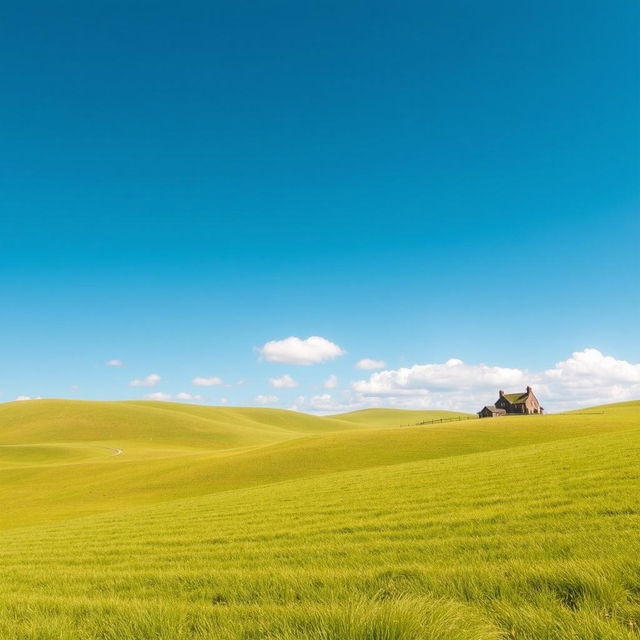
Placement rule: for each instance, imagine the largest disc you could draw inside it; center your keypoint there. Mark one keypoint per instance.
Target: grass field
(125, 521)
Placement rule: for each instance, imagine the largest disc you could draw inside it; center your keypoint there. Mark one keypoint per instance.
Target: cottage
(512, 403)
(491, 411)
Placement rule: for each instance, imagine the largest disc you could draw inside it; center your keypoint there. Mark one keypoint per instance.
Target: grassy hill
(395, 417)
(255, 523)
(157, 422)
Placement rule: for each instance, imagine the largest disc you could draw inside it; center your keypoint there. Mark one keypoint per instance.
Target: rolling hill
(156, 520)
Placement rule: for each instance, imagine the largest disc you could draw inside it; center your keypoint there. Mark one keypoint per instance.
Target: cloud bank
(587, 377)
(590, 377)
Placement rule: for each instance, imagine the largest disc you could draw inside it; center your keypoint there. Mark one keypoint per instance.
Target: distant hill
(58, 457)
(160, 422)
(393, 417)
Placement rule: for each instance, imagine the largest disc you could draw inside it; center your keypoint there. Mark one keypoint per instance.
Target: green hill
(153, 520)
(395, 417)
(158, 422)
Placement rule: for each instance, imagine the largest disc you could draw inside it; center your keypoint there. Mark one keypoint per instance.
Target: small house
(512, 403)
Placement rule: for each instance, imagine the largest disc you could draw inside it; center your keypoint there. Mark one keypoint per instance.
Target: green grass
(17, 455)
(324, 528)
(157, 422)
(393, 417)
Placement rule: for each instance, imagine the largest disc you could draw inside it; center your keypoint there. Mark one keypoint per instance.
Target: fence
(440, 420)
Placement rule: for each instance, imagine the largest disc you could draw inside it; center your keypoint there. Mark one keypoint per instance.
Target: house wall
(487, 413)
(532, 404)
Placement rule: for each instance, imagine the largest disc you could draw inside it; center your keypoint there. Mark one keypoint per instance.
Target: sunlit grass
(507, 528)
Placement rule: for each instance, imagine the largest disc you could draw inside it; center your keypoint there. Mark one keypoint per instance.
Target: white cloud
(592, 367)
(114, 363)
(328, 403)
(588, 377)
(369, 364)
(150, 381)
(158, 395)
(265, 399)
(183, 396)
(294, 350)
(224, 400)
(207, 382)
(283, 382)
(331, 382)
(298, 404)
(189, 397)
(322, 402)
(451, 376)
(24, 398)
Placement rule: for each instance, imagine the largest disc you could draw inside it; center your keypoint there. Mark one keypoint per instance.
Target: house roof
(493, 409)
(516, 398)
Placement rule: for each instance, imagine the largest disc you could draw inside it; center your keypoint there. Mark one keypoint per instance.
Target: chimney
(501, 392)
(528, 389)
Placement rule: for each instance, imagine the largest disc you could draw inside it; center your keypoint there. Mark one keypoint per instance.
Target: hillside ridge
(55, 461)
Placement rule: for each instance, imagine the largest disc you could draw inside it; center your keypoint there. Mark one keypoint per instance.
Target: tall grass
(535, 539)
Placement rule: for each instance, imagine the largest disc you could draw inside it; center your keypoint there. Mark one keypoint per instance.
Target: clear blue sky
(414, 181)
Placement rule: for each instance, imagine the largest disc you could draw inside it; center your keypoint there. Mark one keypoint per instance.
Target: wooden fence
(440, 420)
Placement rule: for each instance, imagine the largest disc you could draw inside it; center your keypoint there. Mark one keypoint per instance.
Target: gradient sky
(415, 182)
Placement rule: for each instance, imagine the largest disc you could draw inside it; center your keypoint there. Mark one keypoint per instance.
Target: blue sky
(413, 182)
